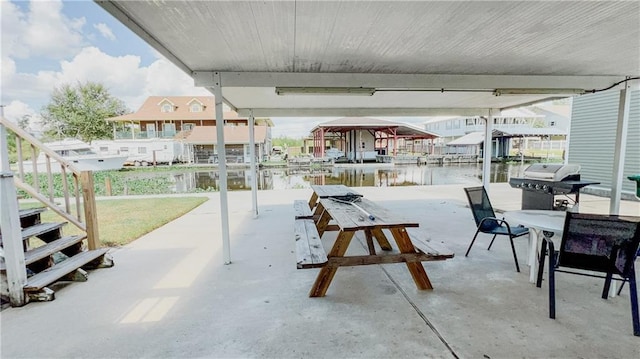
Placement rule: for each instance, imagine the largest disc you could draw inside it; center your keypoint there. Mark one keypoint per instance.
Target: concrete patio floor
(170, 295)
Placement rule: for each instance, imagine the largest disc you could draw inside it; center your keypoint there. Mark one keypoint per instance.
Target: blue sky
(46, 44)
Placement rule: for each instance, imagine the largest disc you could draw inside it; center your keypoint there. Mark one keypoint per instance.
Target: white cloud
(122, 75)
(41, 31)
(16, 110)
(105, 31)
(13, 25)
(25, 87)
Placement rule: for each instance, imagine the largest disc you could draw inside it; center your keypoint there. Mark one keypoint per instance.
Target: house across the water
(169, 129)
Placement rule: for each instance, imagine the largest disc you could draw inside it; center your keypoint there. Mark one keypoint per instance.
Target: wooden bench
(435, 250)
(302, 209)
(309, 250)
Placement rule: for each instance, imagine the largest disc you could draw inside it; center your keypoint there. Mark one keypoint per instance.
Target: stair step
(31, 211)
(40, 228)
(43, 279)
(48, 249)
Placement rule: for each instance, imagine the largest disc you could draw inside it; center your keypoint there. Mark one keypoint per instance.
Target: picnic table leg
(370, 246)
(415, 268)
(323, 221)
(327, 272)
(318, 211)
(313, 200)
(381, 238)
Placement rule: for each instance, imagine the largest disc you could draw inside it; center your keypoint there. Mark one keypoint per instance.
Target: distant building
(184, 125)
(165, 116)
(202, 142)
(533, 128)
(594, 121)
(364, 138)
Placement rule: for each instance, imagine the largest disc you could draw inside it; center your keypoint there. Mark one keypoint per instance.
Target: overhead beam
(404, 81)
(358, 112)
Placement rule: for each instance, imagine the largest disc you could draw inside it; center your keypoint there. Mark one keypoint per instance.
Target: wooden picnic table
(326, 191)
(348, 219)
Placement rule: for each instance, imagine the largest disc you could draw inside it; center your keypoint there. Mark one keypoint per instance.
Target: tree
(24, 121)
(80, 111)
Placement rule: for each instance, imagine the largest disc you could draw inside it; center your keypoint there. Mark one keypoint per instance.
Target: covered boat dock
(364, 138)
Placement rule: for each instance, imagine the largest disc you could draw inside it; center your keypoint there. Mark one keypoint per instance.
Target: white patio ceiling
(421, 58)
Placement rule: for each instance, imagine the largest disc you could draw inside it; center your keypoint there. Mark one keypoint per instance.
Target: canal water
(195, 180)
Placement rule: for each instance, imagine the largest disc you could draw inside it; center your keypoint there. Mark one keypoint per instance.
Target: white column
(254, 167)
(620, 150)
(486, 152)
(222, 168)
(361, 149)
(10, 223)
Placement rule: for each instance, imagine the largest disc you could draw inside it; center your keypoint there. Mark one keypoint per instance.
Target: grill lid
(552, 172)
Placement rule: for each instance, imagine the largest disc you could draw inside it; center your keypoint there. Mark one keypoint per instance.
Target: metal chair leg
(633, 295)
(515, 256)
(552, 282)
(607, 285)
(473, 240)
(541, 262)
(493, 239)
(621, 286)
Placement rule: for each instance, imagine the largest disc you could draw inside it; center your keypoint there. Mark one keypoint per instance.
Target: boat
(334, 153)
(77, 153)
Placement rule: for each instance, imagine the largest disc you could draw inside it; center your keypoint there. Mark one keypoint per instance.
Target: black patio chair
(597, 243)
(488, 223)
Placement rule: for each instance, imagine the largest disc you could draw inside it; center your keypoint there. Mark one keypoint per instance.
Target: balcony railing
(128, 135)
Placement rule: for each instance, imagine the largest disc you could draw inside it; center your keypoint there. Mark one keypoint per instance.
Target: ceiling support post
(322, 144)
(254, 166)
(486, 152)
(395, 142)
(620, 149)
(222, 168)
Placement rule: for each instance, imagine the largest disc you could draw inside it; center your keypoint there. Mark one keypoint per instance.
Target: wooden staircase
(35, 255)
(51, 257)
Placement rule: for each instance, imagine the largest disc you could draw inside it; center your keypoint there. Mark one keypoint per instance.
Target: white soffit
(421, 45)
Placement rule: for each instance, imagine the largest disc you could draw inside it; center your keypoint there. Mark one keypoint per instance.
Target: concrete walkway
(170, 296)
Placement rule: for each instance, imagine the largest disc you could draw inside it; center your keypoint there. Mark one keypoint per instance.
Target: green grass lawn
(122, 221)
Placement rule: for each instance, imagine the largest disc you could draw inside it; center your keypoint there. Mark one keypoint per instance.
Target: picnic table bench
(348, 219)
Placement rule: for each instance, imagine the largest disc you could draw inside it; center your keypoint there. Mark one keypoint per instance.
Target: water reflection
(355, 176)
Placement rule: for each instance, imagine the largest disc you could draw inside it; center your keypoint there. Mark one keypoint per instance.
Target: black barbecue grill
(541, 183)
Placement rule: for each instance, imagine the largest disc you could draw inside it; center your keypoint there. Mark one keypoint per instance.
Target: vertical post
(486, 152)
(620, 149)
(107, 185)
(254, 167)
(10, 222)
(361, 149)
(222, 168)
(90, 212)
(395, 142)
(322, 142)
